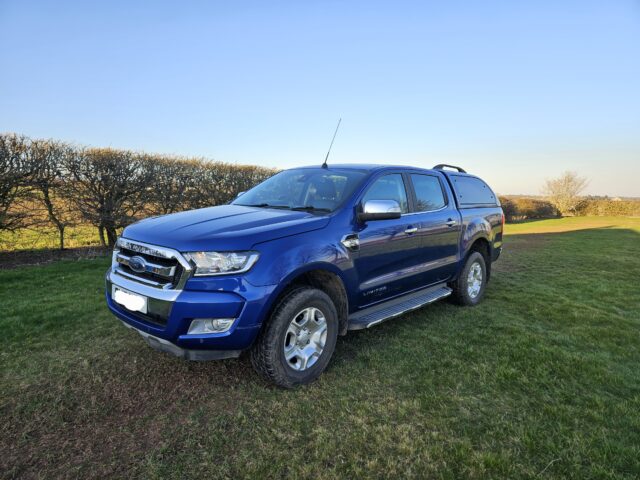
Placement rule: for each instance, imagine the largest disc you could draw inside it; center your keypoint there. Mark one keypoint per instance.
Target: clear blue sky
(514, 91)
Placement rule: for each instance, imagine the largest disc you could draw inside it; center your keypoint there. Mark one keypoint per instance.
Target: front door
(389, 249)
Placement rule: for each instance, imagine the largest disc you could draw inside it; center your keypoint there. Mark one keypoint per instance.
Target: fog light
(210, 325)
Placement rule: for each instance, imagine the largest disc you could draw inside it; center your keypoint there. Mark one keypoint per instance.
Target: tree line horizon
(47, 183)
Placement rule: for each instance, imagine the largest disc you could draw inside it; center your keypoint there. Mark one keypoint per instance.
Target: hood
(226, 227)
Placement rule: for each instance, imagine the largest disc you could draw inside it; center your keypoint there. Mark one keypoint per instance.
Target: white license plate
(129, 300)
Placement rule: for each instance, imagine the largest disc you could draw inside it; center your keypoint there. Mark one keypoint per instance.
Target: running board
(392, 308)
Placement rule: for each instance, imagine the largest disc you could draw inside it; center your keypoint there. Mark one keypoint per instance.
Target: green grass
(41, 238)
(541, 380)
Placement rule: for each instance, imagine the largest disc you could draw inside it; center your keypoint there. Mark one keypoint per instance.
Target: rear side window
(429, 194)
(388, 187)
(472, 191)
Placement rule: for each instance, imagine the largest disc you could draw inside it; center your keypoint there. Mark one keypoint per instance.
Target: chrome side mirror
(379, 210)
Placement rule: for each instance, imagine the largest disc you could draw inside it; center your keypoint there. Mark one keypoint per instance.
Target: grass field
(31, 239)
(540, 380)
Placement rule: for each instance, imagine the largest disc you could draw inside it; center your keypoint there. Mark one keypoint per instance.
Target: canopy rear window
(471, 191)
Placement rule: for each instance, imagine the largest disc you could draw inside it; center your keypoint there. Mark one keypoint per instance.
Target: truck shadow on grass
(114, 406)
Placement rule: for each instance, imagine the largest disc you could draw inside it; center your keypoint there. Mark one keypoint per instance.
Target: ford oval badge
(138, 264)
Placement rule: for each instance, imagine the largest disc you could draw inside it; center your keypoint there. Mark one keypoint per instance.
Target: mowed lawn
(540, 380)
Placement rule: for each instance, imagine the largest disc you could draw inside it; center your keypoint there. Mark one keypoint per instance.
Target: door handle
(450, 222)
(411, 230)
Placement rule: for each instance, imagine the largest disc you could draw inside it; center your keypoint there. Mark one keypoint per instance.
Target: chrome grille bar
(149, 267)
(176, 274)
(146, 281)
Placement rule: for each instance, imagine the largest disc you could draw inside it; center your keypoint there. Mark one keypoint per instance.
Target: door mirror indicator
(379, 210)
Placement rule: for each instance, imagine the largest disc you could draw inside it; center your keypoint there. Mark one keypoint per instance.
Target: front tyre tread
(267, 355)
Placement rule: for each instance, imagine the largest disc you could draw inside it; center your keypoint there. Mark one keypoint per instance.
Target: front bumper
(168, 347)
(170, 313)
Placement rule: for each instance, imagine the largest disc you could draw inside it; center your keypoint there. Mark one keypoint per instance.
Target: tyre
(469, 287)
(299, 339)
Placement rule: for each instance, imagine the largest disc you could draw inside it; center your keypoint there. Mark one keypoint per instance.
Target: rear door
(389, 249)
(439, 226)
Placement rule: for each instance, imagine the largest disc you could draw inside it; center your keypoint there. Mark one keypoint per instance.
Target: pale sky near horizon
(515, 92)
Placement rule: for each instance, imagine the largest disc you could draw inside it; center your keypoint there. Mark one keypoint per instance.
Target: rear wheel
(296, 345)
(469, 287)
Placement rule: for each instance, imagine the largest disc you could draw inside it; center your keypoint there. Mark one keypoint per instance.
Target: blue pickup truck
(305, 256)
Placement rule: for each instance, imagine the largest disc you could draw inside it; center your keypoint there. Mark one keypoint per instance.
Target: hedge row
(608, 207)
(46, 183)
(517, 208)
(522, 208)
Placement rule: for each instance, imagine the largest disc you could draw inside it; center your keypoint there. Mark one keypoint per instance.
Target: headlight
(221, 263)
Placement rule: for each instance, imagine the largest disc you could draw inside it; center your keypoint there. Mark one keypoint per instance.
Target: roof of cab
(366, 167)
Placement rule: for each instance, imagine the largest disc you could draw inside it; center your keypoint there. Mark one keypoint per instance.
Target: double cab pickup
(309, 254)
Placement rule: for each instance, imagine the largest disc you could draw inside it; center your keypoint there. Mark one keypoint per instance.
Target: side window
(388, 187)
(429, 194)
(472, 191)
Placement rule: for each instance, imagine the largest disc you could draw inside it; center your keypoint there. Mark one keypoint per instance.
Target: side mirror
(379, 210)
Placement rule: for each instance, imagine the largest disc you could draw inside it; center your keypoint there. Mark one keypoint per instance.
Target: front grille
(171, 264)
(155, 266)
(167, 262)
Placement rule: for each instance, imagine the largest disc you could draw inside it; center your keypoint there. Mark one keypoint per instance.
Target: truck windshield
(310, 189)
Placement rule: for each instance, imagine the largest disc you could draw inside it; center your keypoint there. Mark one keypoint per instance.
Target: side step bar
(379, 313)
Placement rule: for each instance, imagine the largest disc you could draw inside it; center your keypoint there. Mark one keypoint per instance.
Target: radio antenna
(324, 165)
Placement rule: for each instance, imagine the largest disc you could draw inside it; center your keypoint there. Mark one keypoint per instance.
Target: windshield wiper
(311, 208)
(306, 208)
(263, 205)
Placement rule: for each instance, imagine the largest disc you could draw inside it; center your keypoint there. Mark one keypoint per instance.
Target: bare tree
(48, 182)
(244, 177)
(564, 191)
(220, 182)
(50, 185)
(205, 189)
(109, 188)
(173, 179)
(15, 172)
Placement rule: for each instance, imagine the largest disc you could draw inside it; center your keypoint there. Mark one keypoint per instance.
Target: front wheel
(469, 287)
(299, 339)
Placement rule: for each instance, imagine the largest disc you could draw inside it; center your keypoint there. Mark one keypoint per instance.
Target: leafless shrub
(45, 182)
(173, 178)
(50, 186)
(16, 169)
(218, 183)
(108, 187)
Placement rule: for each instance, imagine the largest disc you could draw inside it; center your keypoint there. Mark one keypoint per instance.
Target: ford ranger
(307, 255)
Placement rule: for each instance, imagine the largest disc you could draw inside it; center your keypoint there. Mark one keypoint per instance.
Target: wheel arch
(482, 246)
(324, 277)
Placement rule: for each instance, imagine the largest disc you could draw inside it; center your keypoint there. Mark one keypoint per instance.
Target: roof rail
(441, 166)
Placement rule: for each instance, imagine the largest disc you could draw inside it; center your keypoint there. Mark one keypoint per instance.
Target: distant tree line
(46, 183)
(523, 208)
(562, 198)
